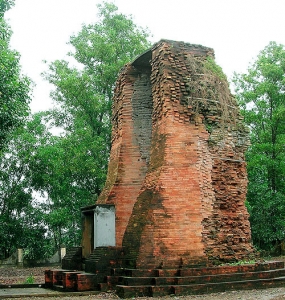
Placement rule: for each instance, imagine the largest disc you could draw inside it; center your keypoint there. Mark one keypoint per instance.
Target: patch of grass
(30, 279)
(211, 65)
(240, 263)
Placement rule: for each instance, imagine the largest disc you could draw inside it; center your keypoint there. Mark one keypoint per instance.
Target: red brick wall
(128, 158)
(177, 173)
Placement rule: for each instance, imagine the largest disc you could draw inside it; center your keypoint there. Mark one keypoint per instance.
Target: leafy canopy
(15, 196)
(5, 5)
(74, 167)
(261, 94)
(14, 87)
(21, 218)
(67, 170)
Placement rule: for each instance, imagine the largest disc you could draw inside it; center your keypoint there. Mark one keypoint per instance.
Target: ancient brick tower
(177, 176)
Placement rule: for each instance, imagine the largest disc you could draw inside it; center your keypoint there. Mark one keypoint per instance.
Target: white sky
(237, 29)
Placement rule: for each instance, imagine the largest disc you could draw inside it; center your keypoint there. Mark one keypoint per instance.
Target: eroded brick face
(177, 174)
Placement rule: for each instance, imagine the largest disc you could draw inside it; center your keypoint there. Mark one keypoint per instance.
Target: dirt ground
(19, 276)
(13, 275)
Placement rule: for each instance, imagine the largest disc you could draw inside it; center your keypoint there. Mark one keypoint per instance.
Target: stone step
(104, 287)
(87, 282)
(266, 266)
(117, 271)
(166, 280)
(124, 280)
(102, 258)
(58, 288)
(140, 272)
(219, 277)
(167, 272)
(71, 280)
(158, 282)
(73, 259)
(113, 280)
(186, 272)
(73, 251)
(54, 277)
(124, 291)
(226, 286)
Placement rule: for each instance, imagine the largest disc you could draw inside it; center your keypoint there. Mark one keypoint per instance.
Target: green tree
(56, 177)
(261, 94)
(67, 170)
(5, 5)
(84, 94)
(75, 167)
(21, 217)
(14, 108)
(14, 87)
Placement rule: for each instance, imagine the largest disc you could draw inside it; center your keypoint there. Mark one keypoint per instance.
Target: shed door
(104, 226)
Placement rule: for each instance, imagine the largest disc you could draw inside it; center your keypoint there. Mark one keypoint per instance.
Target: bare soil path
(268, 294)
(13, 275)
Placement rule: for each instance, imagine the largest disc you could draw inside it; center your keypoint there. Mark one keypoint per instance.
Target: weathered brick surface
(183, 281)
(177, 173)
(86, 282)
(131, 138)
(69, 280)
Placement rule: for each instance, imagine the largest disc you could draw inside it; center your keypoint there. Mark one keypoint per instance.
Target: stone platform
(162, 282)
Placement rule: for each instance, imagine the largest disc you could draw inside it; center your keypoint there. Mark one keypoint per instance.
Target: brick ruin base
(177, 174)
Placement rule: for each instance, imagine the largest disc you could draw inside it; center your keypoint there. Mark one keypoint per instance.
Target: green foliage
(30, 279)
(74, 165)
(5, 5)
(240, 263)
(14, 88)
(212, 66)
(68, 170)
(261, 95)
(15, 196)
(20, 216)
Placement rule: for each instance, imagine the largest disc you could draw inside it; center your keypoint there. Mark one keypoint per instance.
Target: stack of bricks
(177, 174)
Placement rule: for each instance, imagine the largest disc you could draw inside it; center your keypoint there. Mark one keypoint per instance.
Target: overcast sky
(237, 29)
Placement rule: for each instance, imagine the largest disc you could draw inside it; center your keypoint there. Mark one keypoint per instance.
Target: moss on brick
(141, 217)
(157, 151)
